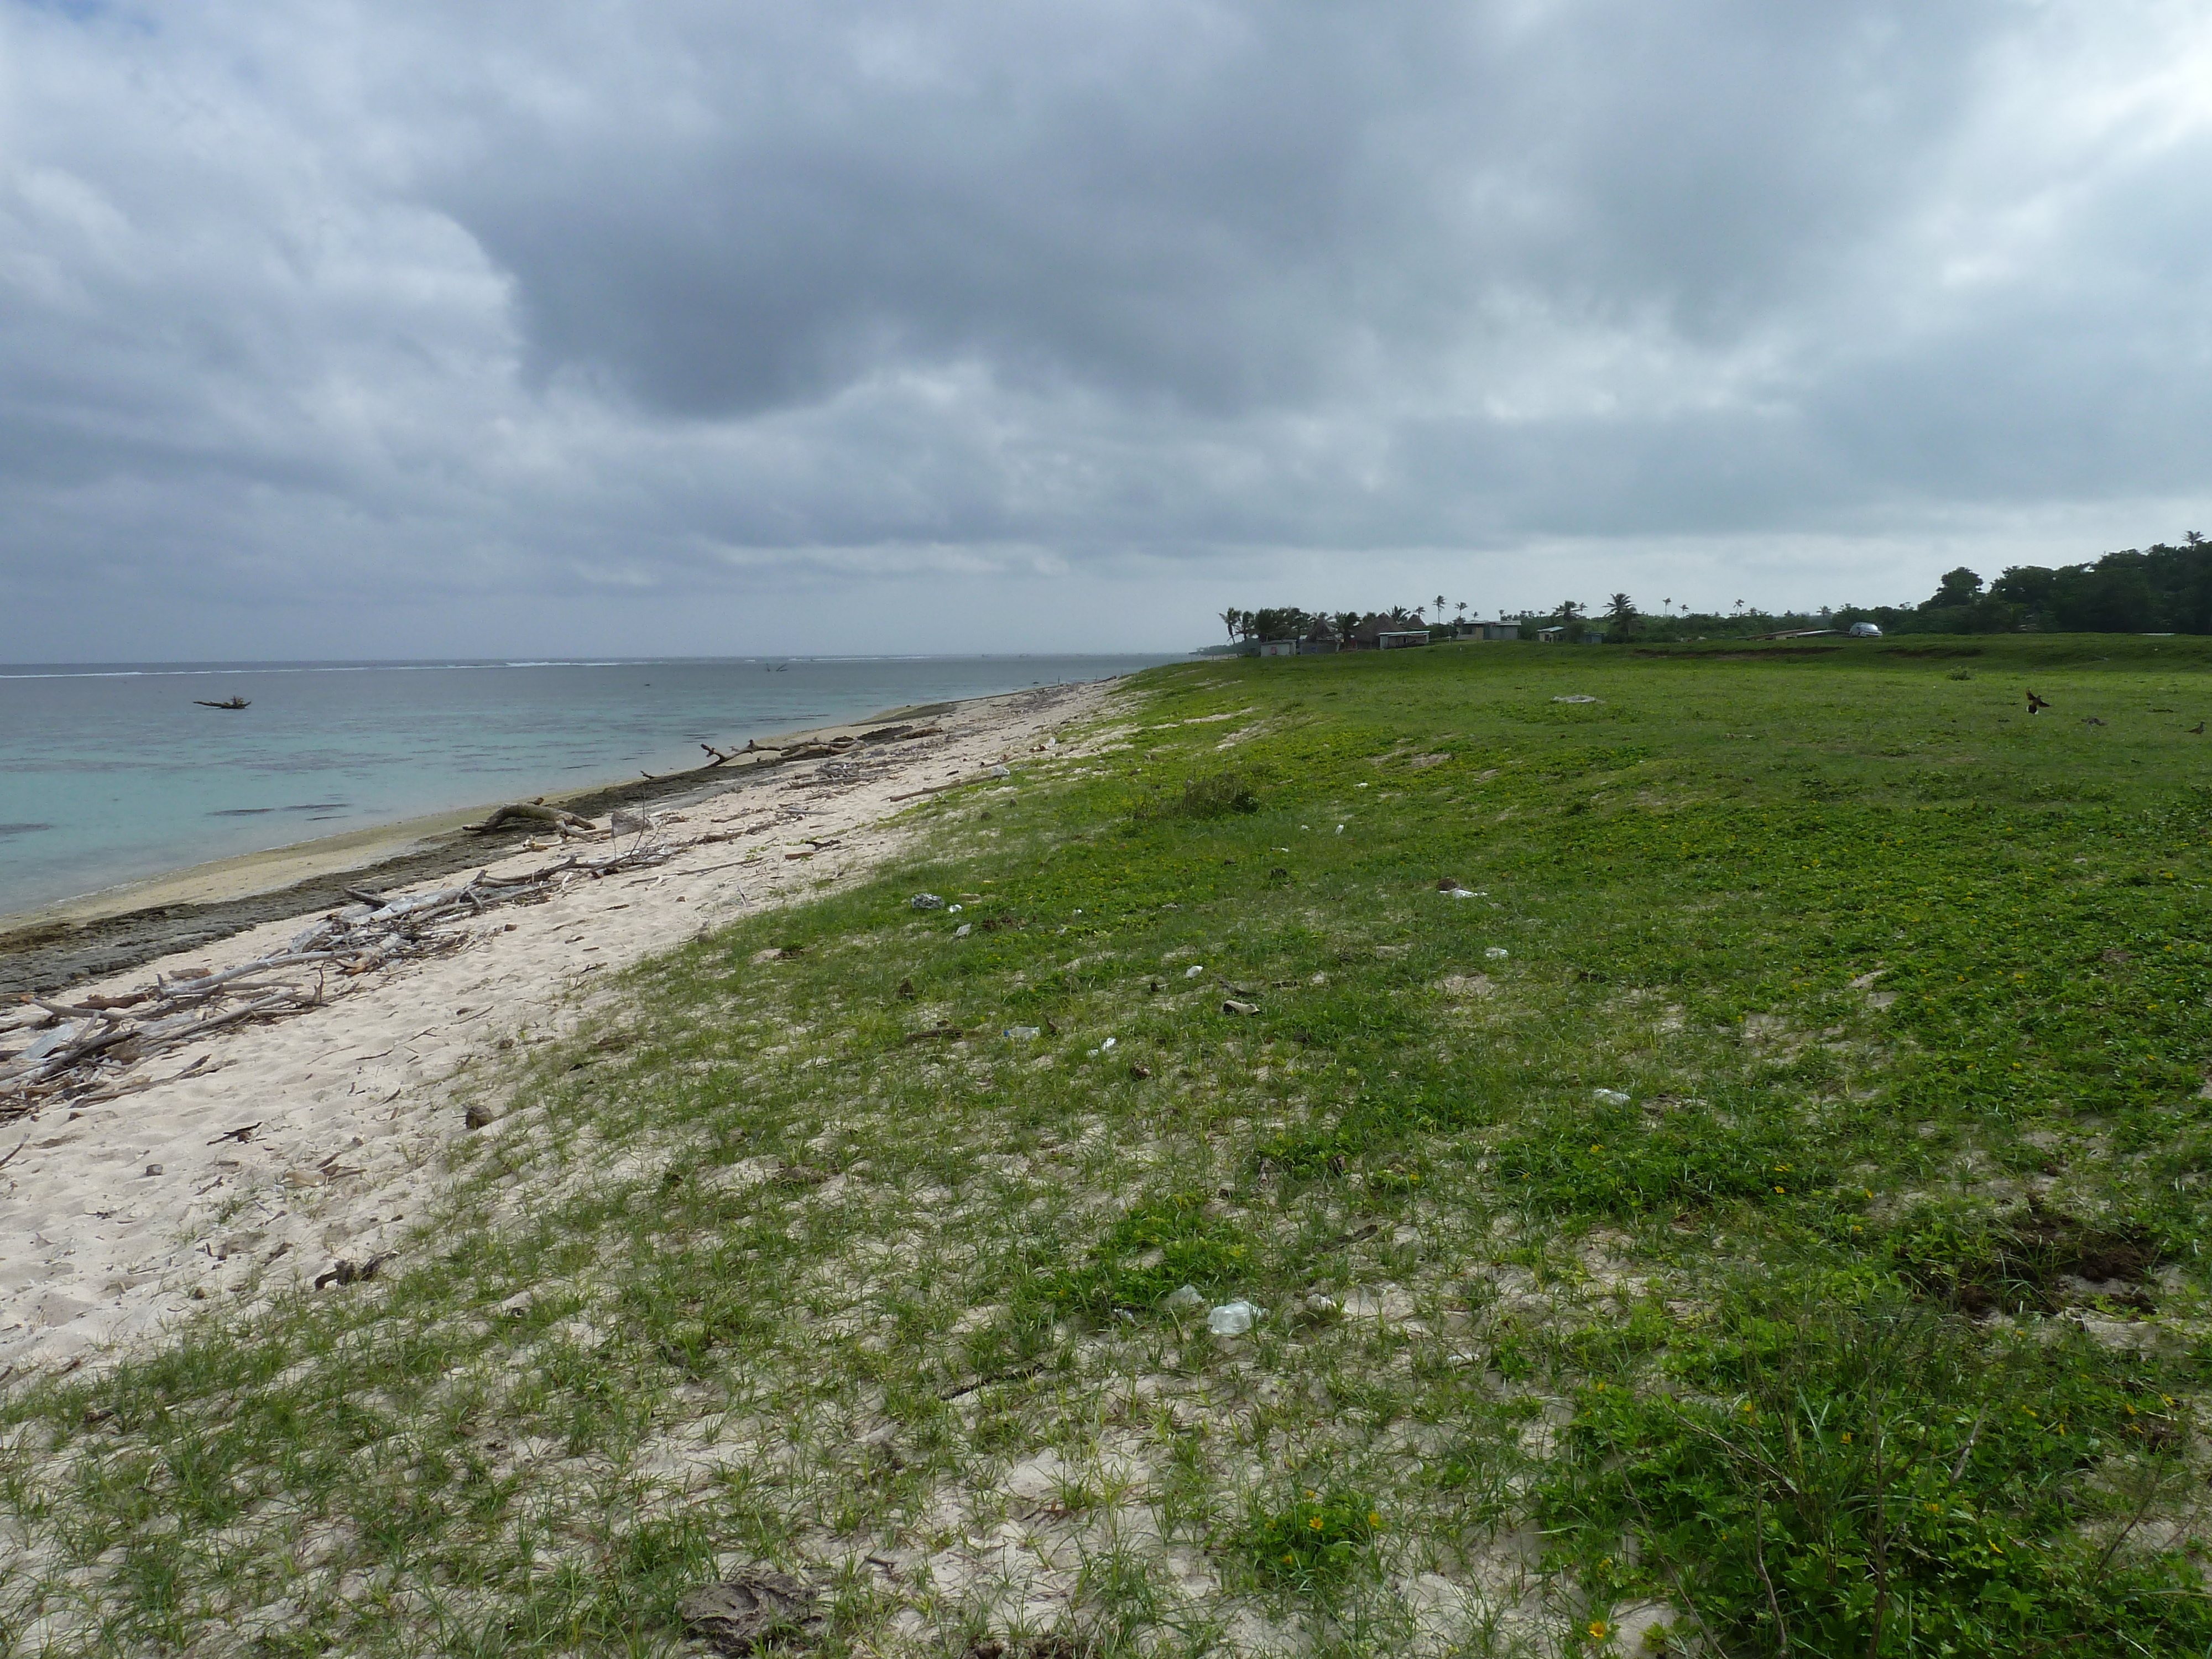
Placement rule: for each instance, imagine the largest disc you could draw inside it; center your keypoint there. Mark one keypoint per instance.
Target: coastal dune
(271, 1156)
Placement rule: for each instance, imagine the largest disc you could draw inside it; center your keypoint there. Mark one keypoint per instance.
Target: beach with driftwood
(266, 1106)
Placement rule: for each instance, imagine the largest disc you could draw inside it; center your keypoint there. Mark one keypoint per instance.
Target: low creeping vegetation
(1718, 1163)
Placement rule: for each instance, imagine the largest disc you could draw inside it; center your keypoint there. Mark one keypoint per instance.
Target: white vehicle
(1865, 631)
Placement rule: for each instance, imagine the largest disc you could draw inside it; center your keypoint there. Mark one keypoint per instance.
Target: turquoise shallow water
(109, 772)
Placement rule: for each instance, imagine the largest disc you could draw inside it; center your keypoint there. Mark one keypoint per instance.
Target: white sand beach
(260, 1160)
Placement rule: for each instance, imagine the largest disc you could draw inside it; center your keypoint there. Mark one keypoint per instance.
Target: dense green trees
(2161, 589)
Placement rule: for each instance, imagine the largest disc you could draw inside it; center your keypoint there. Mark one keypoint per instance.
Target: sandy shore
(118, 1218)
(118, 928)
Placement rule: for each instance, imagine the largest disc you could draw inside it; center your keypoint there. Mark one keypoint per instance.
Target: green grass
(1910, 995)
(1314, 1542)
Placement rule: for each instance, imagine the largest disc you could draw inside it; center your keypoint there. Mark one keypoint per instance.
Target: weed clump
(1609, 1162)
(2023, 1264)
(1320, 1541)
(1883, 1480)
(1152, 1251)
(1210, 795)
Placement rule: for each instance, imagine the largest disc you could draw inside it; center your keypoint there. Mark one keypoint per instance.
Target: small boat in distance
(228, 702)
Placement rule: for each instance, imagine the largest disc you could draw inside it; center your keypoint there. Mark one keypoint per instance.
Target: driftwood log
(772, 754)
(80, 1051)
(528, 812)
(86, 1047)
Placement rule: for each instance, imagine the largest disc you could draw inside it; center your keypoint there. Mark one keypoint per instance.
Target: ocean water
(109, 773)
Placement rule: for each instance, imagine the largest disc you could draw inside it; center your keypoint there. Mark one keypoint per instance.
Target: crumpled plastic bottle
(1233, 1318)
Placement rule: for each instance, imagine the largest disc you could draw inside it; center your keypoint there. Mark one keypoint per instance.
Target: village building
(1381, 632)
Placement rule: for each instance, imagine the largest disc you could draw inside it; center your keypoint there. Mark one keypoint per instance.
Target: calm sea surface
(109, 772)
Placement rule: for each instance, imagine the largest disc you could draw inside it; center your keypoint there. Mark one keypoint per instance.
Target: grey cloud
(514, 310)
(1223, 206)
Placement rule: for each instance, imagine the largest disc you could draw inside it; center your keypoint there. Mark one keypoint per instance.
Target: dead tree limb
(528, 812)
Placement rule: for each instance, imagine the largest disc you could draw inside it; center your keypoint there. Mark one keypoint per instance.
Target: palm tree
(1462, 607)
(1229, 619)
(1570, 609)
(1346, 622)
(1440, 605)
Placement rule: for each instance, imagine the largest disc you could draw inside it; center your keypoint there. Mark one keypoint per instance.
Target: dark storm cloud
(1220, 205)
(365, 315)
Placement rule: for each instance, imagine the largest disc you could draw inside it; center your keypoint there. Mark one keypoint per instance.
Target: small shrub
(1211, 795)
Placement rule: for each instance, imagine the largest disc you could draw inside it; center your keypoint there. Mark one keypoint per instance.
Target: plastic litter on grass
(1233, 1318)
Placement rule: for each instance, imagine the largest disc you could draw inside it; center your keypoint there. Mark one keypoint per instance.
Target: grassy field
(1718, 1138)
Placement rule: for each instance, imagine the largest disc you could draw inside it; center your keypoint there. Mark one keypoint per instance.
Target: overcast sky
(728, 325)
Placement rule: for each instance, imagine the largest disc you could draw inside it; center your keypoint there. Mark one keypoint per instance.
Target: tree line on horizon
(1288, 621)
(2161, 589)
